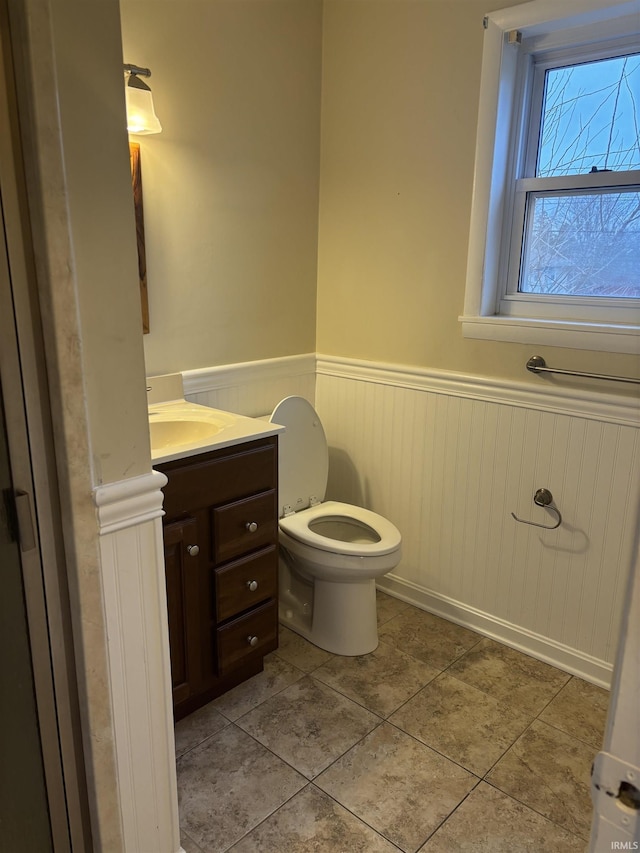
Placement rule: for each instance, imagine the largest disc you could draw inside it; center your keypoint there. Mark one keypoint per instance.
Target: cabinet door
(181, 568)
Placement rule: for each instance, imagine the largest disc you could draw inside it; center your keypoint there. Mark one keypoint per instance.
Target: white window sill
(558, 333)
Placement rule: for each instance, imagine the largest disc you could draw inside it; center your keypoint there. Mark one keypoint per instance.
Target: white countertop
(232, 429)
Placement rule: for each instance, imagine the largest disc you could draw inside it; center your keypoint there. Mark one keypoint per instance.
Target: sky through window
(591, 118)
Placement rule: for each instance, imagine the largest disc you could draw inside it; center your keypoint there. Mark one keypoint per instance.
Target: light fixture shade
(141, 116)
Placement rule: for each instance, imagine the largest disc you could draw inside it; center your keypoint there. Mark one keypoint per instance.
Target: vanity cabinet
(220, 539)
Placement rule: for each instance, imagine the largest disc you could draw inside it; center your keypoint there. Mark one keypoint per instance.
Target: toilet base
(344, 619)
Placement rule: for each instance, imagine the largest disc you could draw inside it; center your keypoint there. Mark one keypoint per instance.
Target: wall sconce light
(141, 116)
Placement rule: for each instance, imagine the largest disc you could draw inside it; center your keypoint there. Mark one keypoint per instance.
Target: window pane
(583, 244)
(590, 118)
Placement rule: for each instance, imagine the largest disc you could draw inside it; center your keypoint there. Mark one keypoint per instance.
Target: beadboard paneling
(447, 458)
(134, 597)
(448, 464)
(251, 388)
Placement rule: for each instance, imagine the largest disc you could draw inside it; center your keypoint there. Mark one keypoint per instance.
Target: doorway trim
(33, 467)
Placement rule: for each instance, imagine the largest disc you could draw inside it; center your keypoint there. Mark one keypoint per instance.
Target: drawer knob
(253, 641)
(251, 526)
(193, 550)
(252, 586)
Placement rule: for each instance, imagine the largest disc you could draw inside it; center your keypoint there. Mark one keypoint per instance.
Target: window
(555, 244)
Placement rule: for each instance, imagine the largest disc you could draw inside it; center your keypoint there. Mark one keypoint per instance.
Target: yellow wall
(266, 104)
(400, 90)
(231, 185)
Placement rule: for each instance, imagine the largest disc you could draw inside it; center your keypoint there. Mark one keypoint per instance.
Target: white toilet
(330, 552)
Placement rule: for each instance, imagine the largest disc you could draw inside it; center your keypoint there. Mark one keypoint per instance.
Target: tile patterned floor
(439, 741)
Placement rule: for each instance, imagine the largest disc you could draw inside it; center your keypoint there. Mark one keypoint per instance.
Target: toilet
(330, 553)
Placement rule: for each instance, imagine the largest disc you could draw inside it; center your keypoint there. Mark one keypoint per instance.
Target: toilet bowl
(330, 552)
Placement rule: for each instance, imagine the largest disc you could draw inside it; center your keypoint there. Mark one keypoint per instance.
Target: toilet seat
(299, 526)
(303, 455)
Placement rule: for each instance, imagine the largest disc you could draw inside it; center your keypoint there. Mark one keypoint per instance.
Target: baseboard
(565, 658)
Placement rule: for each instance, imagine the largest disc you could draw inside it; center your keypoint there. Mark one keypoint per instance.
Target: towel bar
(537, 364)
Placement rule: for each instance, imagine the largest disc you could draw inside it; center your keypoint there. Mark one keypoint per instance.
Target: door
(615, 783)
(33, 810)
(183, 606)
(24, 810)
(43, 791)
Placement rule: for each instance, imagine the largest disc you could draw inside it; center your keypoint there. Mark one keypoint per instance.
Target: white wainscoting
(448, 458)
(252, 388)
(129, 517)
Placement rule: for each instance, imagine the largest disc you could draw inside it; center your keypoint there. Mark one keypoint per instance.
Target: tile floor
(439, 741)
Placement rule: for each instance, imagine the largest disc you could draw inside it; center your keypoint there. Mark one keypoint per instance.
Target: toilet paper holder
(544, 498)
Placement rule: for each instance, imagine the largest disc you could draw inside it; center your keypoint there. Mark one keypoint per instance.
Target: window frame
(555, 31)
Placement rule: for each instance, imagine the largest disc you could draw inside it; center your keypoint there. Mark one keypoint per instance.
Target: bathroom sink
(182, 426)
(179, 429)
(171, 433)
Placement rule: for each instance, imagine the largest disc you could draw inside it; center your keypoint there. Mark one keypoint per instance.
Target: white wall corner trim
(135, 605)
(570, 401)
(516, 637)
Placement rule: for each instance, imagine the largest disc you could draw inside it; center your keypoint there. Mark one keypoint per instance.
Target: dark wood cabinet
(220, 539)
(182, 587)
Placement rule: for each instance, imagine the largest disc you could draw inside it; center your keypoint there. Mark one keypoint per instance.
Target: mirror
(136, 182)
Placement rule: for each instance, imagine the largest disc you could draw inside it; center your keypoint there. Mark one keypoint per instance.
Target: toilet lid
(303, 464)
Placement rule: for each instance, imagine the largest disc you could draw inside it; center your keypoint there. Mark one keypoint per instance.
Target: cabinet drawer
(252, 635)
(234, 583)
(244, 526)
(210, 481)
